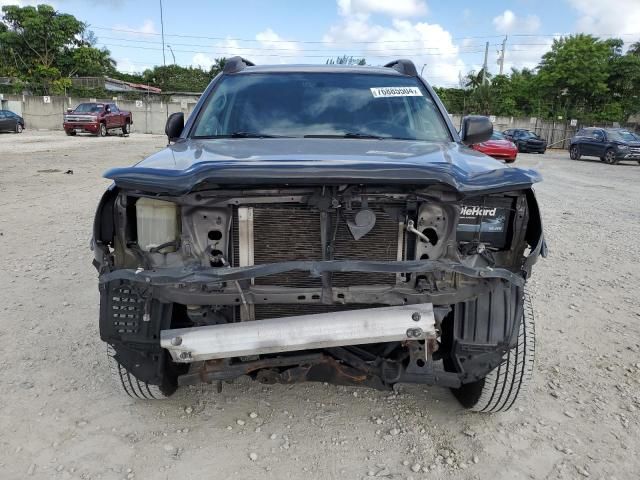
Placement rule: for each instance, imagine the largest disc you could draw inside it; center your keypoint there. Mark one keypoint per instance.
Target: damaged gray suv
(320, 223)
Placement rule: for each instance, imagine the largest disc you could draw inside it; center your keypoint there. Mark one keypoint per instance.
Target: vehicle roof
(301, 68)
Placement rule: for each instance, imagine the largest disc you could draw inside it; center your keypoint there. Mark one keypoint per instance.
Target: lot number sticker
(380, 92)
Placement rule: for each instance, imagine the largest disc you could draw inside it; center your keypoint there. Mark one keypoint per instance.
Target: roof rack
(236, 64)
(404, 66)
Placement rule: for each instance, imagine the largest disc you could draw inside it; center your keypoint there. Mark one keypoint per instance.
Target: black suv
(609, 144)
(526, 140)
(321, 223)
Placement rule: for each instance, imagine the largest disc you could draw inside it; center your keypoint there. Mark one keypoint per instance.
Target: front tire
(503, 386)
(102, 130)
(610, 157)
(126, 128)
(126, 383)
(18, 128)
(574, 152)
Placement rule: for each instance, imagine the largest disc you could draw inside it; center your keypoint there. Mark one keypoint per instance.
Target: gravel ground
(61, 419)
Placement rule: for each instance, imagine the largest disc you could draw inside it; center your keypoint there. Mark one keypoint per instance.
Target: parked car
(526, 140)
(320, 223)
(610, 145)
(11, 122)
(97, 118)
(498, 147)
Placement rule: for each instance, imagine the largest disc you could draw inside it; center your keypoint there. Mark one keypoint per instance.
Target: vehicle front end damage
(370, 283)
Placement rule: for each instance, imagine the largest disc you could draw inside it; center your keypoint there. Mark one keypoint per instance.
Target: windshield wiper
(347, 135)
(239, 134)
(249, 135)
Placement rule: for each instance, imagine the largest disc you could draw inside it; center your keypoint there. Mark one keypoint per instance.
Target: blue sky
(448, 36)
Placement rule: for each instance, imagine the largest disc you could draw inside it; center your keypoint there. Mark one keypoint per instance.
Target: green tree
(473, 80)
(41, 46)
(572, 76)
(217, 67)
(623, 82)
(454, 99)
(346, 60)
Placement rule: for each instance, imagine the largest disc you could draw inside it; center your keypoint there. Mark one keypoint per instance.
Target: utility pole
(484, 66)
(501, 57)
(164, 61)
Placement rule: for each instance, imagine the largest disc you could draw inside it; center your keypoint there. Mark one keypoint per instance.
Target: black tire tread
(504, 386)
(509, 381)
(129, 384)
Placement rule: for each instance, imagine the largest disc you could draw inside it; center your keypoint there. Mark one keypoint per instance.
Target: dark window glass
(621, 135)
(321, 104)
(89, 108)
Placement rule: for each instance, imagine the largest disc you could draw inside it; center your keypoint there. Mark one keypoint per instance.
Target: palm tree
(474, 80)
(634, 49)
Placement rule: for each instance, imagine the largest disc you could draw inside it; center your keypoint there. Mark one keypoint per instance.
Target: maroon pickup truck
(97, 118)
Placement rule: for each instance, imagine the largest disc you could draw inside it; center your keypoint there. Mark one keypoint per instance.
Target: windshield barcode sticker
(379, 92)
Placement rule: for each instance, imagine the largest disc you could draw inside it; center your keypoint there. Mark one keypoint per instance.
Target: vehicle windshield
(497, 136)
(622, 136)
(348, 105)
(89, 108)
(528, 134)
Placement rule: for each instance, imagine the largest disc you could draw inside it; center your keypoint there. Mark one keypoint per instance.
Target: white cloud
(621, 17)
(24, 3)
(422, 42)
(127, 66)
(509, 22)
(394, 8)
(271, 40)
(525, 53)
(147, 28)
(19, 3)
(202, 60)
(269, 48)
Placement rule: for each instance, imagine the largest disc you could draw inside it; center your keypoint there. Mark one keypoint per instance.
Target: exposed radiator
(284, 233)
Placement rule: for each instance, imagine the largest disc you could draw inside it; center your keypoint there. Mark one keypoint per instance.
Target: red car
(498, 147)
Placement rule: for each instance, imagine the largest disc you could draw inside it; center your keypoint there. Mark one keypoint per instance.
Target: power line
(384, 54)
(463, 49)
(329, 42)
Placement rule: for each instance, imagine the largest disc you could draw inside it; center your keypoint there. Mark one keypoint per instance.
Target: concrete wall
(45, 113)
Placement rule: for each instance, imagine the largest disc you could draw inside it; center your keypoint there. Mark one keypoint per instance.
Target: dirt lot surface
(60, 418)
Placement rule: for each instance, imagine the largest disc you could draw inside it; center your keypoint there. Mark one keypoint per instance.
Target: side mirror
(475, 129)
(107, 109)
(69, 110)
(174, 126)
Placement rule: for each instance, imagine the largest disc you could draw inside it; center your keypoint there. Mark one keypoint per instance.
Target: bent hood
(196, 164)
